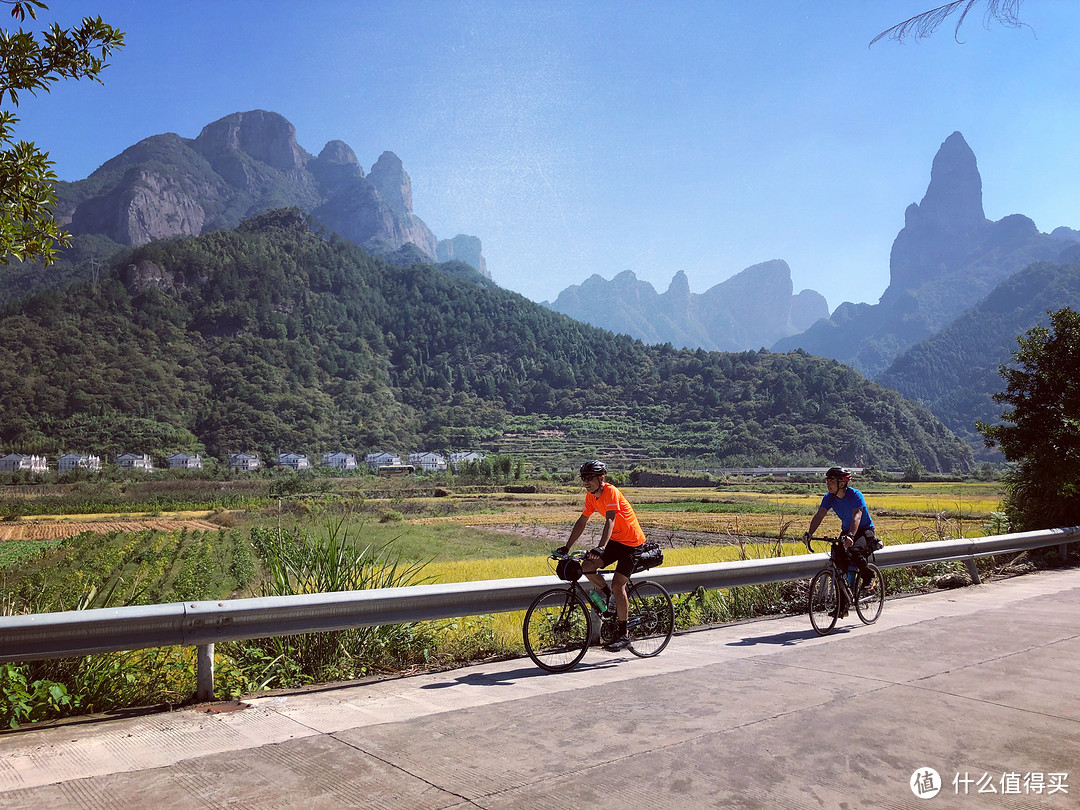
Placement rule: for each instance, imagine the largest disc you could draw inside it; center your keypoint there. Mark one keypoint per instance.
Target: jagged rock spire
(953, 200)
(939, 232)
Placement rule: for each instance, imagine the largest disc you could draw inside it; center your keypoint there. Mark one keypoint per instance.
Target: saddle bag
(649, 556)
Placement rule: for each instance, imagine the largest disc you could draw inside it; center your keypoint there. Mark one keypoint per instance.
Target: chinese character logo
(925, 783)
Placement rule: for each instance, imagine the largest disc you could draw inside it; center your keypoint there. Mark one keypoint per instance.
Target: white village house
(16, 462)
(183, 461)
(432, 462)
(76, 461)
(376, 460)
(339, 460)
(135, 461)
(244, 462)
(457, 459)
(294, 460)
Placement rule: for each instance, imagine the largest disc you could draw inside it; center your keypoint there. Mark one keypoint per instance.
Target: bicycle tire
(869, 606)
(557, 629)
(651, 619)
(824, 601)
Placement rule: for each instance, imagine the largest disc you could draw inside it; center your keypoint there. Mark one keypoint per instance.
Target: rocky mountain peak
(679, 286)
(336, 167)
(339, 153)
(941, 230)
(751, 309)
(463, 248)
(953, 200)
(393, 184)
(246, 164)
(264, 136)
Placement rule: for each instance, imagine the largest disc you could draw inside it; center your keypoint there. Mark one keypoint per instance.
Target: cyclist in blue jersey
(857, 527)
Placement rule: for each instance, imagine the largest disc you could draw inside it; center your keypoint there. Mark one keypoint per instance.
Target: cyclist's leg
(589, 567)
(622, 601)
(860, 552)
(842, 559)
(627, 559)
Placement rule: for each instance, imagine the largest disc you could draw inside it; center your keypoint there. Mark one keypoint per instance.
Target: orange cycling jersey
(626, 530)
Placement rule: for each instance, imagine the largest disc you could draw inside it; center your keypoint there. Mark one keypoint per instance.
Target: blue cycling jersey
(845, 509)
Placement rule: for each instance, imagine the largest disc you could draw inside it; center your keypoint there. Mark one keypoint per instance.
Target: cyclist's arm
(575, 533)
(815, 521)
(609, 524)
(853, 529)
(856, 520)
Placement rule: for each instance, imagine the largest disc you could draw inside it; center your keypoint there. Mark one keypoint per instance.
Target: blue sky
(594, 137)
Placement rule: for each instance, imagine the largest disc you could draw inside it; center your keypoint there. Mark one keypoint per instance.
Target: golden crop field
(55, 529)
(691, 520)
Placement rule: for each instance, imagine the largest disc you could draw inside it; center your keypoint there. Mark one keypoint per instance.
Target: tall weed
(303, 561)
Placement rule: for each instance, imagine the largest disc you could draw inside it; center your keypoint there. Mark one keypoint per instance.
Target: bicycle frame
(565, 620)
(825, 608)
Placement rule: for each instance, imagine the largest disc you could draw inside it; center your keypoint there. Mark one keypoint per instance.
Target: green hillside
(273, 338)
(955, 372)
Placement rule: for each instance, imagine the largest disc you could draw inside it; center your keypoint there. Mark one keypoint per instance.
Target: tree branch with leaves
(29, 64)
(925, 24)
(1040, 430)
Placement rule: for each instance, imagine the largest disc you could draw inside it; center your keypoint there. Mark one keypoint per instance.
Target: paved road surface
(980, 684)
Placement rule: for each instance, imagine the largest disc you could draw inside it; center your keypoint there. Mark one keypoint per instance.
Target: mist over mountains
(752, 309)
(946, 259)
(962, 289)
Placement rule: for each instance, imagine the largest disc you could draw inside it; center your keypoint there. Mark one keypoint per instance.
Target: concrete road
(981, 685)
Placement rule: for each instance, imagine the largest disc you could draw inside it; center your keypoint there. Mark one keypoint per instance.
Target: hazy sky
(583, 137)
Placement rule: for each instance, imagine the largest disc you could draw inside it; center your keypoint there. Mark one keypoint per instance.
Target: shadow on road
(510, 677)
(781, 639)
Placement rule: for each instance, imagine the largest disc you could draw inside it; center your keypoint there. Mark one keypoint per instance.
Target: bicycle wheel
(824, 602)
(651, 619)
(869, 606)
(556, 630)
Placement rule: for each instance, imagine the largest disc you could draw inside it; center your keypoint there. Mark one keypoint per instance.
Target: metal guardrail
(203, 623)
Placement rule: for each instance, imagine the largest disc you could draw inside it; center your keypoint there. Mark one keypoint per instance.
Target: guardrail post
(973, 571)
(1063, 552)
(204, 673)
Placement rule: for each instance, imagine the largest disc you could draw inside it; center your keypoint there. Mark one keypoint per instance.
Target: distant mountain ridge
(750, 310)
(245, 164)
(947, 258)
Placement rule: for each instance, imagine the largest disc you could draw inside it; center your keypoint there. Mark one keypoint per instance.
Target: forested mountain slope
(272, 337)
(955, 372)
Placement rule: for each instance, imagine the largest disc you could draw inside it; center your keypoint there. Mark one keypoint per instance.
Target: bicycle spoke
(869, 605)
(824, 602)
(651, 620)
(556, 630)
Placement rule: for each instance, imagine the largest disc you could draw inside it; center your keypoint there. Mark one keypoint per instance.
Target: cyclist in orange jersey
(620, 540)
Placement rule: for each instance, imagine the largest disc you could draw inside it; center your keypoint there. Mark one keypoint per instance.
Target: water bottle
(598, 601)
(852, 574)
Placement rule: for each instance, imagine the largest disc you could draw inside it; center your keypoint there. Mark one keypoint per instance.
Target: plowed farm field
(57, 529)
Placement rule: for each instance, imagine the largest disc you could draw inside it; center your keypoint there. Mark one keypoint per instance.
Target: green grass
(441, 542)
(14, 553)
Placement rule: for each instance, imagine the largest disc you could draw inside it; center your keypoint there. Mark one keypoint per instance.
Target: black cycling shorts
(626, 556)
